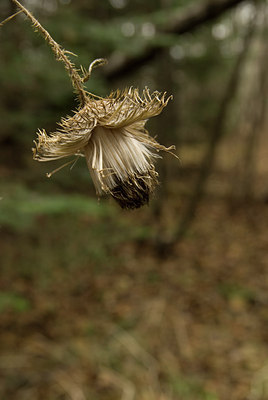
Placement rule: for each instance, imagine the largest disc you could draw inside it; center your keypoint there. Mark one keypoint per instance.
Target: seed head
(110, 134)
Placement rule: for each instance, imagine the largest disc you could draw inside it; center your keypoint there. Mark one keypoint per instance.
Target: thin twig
(60, 54)
(9, 18)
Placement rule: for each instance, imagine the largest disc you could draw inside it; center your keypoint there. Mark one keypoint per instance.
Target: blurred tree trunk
(256, 126)
(251, 127)
(164, 78)
(216, 136)
(167, 135)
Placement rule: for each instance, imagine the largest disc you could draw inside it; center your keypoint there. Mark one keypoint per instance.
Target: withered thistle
(108, 132)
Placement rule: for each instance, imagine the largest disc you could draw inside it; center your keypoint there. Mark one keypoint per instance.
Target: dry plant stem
(60, 55)
(9, 18)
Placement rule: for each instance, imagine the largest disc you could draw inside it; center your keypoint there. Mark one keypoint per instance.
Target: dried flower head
(108, 132)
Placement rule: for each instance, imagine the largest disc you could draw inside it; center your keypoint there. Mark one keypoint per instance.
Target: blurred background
(169, 301)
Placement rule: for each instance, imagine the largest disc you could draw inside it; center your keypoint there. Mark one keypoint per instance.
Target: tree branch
(198, 14)
(183, 21)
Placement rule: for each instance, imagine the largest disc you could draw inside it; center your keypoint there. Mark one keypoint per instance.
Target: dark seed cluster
(133, 192)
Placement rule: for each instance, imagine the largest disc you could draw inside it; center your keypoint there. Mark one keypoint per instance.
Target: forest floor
(89, 310)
